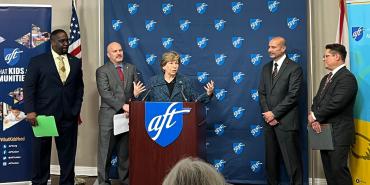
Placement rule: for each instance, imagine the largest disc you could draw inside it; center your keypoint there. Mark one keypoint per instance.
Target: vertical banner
(24, 33)
(224, 41)
(359, 27)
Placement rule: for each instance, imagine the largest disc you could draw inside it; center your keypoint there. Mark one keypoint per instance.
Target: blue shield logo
(201, 7)
(237, 41)
(219, 129)
(163, 121)
(238, 112)
(185, 59)
(256, 166)
(184, 25)
(133, 42)
(357, 33)
(273, 6)
(132, 8)
(220, 59)
(202, 77)
(219, 24)
(149, 25)
(236, 7)
(150, 59)
(167, 42)
(256, 59)
(255, 23)
(254, 95)
(12, 55)
(238, 148)
(256, 130)
(238, 77)
(219, 164)
(202, 42)
(116, 24)
(294, 56)
(167, 8)
(292, 22)
(220, 94)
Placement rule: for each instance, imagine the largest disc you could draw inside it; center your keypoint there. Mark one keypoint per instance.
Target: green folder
(46, 126)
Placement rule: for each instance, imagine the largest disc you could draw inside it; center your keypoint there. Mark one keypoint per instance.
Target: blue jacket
(182, 92)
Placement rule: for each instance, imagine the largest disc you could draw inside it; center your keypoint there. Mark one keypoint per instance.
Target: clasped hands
(270, 118)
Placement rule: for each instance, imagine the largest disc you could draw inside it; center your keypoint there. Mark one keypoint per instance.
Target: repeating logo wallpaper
(223, 41)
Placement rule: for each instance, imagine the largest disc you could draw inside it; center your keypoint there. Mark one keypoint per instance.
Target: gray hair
(193, 171)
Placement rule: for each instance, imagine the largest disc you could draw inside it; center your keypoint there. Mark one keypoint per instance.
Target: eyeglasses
(326, 56)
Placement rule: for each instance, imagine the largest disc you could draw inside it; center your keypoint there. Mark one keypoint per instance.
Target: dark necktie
(328, 78)
(275, 71)
(120, 73)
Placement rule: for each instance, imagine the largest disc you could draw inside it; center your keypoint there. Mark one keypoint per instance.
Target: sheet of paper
(46, 126)
(120, 124)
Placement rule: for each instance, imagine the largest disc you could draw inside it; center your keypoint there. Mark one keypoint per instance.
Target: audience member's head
(193, 171)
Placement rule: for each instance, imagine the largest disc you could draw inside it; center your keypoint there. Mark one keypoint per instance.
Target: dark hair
(56, 32)
(337, 49)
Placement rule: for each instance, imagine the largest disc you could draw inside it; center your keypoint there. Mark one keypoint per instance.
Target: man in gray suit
(334, 104)
(279, 88)
(117, 83)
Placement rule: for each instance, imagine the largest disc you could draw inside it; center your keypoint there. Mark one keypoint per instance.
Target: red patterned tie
(120, 73)
(328, 78)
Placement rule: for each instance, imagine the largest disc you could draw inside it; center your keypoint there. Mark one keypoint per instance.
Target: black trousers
(66, 144)
(335, 165)
(282, 145)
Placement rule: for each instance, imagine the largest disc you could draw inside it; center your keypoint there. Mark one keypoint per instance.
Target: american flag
(75, 39)
(74, 35)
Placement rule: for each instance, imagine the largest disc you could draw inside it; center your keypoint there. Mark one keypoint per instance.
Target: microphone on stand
(150, 90)
(182, 91)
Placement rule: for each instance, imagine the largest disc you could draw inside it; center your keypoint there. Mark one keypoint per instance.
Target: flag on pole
(342, 30)
(75, 39)
(74, 35)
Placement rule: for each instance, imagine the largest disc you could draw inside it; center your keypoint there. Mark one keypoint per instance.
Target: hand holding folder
(322, 140)
(46, 126)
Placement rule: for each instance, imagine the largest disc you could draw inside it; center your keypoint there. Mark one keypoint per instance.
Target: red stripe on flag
(341, 20)
(76, 51)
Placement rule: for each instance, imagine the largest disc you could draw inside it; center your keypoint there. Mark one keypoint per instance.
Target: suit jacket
(159, 92)
(45, 93)
(114, 94)
(281, 95)
(335, 105)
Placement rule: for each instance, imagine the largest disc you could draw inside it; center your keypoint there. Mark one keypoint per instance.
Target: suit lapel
(54, 67)
(115, 73)
(72, 67)
(328, 86)
(125, 74)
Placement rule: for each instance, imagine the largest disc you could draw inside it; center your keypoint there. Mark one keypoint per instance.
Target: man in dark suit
(334, 104)
(53, 86)
(279, 89)
(117, 84)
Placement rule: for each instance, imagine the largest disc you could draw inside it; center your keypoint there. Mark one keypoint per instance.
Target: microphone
(150, 89)
(182, 91)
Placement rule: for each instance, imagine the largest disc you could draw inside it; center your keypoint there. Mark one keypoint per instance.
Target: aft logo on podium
(164, 121)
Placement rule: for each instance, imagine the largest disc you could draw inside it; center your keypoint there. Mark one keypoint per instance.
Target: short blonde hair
(169, 57)
(193, 171)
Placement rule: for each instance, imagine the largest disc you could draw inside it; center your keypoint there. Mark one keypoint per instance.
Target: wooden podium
(150, 162)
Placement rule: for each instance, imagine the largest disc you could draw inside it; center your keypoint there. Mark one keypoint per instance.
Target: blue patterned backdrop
(224, 41)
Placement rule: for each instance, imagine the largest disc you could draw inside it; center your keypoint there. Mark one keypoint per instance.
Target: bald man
(117, 83)
(279, 88)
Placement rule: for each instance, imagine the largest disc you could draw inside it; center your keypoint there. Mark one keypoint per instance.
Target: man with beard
(117, 83)
(54, 87)
(281, 81)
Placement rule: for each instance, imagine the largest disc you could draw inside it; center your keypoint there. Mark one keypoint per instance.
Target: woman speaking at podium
(173, 87)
